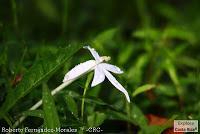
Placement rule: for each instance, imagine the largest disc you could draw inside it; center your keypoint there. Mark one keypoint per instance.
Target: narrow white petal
(99, 76)
(93, 52)
(79, 70)
(112, 79)
(111, 68)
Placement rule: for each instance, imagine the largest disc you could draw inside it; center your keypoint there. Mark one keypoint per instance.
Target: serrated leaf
(50, 113)
(142, 89)
(39, 72)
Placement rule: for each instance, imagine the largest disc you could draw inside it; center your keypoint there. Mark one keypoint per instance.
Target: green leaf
(50, 113)
(39, 72)
(166, 89)
(174, 77)
(153, 129)
(125, 54)
(104, 37)
(135, 73)
(188, 61)
(115, 115)
(96, 119)
(136, 116)
(48, 9)
(149, 33)
(168, 11)
(179, 33)
(71, 104)
(142, 89)
(9, 120)
(35, 113)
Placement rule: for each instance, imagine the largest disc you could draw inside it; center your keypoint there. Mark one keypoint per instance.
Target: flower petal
(111, 68)
(112, 79)
(93, 52)
(79, 70)
(99, 76)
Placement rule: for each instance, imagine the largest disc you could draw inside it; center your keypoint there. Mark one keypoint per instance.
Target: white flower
(101, 71)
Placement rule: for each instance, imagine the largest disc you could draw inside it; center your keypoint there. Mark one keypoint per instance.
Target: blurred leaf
(168, 11)
(104, 37)
(149, 33)
(48, 8)
(39, 72)
(50, 114)
(71, 105)
(166, 89)
(178, 33)
(96, 119)
(35, 113)
(3, 56)
(125, 54)
(9, 120)
(174, 77)
(153, 129)
(188, 61)
(135, 72)
(142, 89)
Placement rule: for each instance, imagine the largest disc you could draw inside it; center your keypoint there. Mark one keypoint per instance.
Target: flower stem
(129, 116)
(15, 17)
(89, 78)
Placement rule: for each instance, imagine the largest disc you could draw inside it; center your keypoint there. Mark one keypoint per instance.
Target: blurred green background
(155, 42)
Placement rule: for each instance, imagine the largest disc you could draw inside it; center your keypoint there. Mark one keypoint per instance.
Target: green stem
(65, 16)
(89, 78)
(143, 13)
(14, 11)
(129, 116)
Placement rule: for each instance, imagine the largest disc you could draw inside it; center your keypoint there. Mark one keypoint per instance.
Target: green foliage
(34, 113)
(48, 9)
(142, 89)
(96, 119)
(71, 104)
(38, 73)
(51, 118)
(155, 43)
